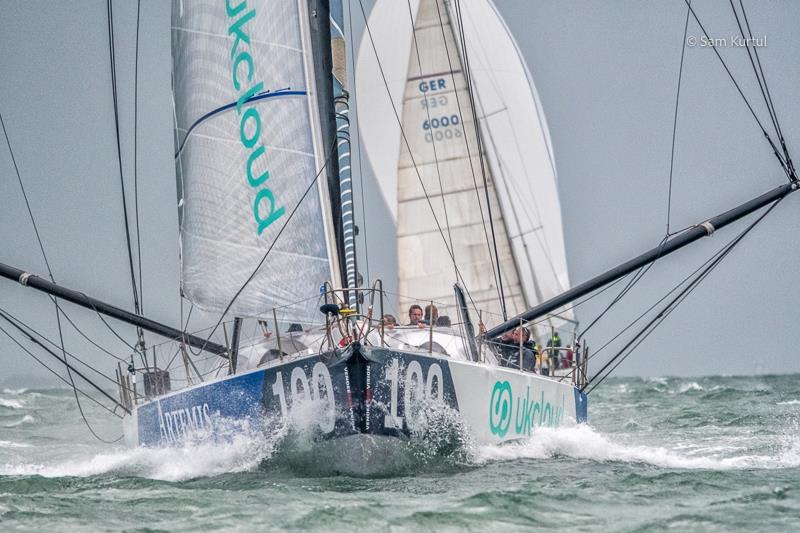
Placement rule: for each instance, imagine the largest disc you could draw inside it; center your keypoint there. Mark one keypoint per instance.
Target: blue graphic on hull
(581, 406)
(357, 390)
(198, 412)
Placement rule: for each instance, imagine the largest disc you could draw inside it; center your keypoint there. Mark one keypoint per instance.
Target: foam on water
(585, 443)
(691, 386)
(166, 464)
(12, 404)
(10, 444)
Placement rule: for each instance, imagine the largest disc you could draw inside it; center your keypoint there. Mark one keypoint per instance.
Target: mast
(320, 36)
(698, 231)
(79, 298)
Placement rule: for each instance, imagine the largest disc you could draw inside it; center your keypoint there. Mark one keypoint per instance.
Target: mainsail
(248, 141)
(423, 64)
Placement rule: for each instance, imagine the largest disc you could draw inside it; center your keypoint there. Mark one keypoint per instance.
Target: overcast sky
(606, 73)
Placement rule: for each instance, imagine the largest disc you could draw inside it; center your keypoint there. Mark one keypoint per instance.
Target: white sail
(520, 152)
(521, 171)
(247, 135)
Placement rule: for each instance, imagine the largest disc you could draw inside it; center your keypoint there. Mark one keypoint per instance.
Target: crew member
(414, 315)
(509, 347)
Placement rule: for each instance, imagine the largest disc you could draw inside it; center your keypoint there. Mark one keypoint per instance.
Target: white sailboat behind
(428, 89)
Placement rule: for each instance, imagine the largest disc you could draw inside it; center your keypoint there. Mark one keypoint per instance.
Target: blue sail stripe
(226, 107)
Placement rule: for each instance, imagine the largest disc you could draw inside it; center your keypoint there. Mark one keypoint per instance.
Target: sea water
(712, 453)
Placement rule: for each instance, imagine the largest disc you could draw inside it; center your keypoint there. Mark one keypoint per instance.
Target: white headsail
(436, 115)
(249, 147)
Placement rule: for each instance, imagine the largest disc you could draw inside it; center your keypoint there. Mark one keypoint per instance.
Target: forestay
(244, 95)
(437, 121)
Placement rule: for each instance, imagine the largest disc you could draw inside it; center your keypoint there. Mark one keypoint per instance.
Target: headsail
(443, 149)
(249, 147)
(435, 110)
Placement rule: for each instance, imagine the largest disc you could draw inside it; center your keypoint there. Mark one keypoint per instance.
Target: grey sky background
(606, 74)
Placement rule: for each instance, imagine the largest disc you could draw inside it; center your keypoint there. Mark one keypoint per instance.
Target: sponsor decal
(419, 389)
(316, 389)
(500, 408)
(525, 411)
(178, 424)
(243, 66)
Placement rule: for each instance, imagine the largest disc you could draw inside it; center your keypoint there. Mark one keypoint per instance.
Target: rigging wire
(50, 274)
(274, 241)
(411, 155)
(29, 330)
(755, 70)
(651, 326)
(766, 88)
(741, 93)
(84, 335)
(717, 258)
(433, 137)
(644, 313)
(675, 119)
(357, 139)
(495, 268)
(113, 64)
(631, 283)
(560, 314)
(56, 374)
(468, 78)
(762, 84)
(136, 157)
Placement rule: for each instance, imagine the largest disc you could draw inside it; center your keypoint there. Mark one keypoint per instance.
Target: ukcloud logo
(528, 412)
(500, 408)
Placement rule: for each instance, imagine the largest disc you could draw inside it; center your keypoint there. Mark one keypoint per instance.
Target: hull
(361, 391)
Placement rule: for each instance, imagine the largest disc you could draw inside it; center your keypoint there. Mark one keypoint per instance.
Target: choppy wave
(689, 387)
(789, 402)
(12, 404)
(27, 419)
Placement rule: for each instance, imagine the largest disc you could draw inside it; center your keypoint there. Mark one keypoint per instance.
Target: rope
(496, 270)
(741, 93)
(274, 241)
(636, 278)
(50, 273)
(675, 118)
(19, 324)
(136, 157)
(56, 374)
(468, 78)
(762, 84)
(113, 64)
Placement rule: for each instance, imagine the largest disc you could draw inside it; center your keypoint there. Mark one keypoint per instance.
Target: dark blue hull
(357, 390)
